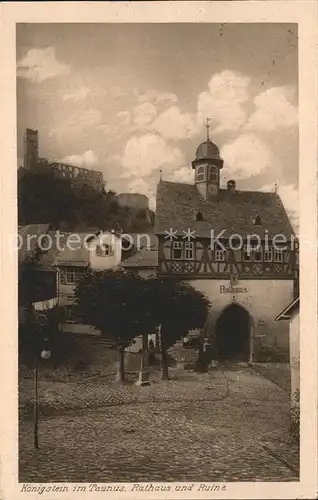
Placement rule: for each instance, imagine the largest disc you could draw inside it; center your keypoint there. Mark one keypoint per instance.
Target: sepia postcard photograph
(160, 247)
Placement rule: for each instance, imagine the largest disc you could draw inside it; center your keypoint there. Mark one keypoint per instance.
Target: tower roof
(207, 150)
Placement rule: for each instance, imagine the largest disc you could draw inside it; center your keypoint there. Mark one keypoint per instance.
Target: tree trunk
(120, 376)
(157, 343)
(164, 357)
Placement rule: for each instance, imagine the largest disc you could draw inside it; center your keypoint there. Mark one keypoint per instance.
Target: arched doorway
(232, 333)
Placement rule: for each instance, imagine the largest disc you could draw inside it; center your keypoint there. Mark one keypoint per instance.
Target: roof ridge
(223, 189)
(176, 182)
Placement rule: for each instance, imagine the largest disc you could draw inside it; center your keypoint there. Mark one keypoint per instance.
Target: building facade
(238, 247)
(78, 176)
(92, 252)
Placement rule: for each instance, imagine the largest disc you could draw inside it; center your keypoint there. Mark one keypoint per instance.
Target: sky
(132, 99)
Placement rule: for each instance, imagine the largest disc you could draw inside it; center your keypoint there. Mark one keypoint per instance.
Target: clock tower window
(200, 174)
(213, 174)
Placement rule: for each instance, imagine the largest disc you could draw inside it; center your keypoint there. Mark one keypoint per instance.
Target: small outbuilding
(291, 313)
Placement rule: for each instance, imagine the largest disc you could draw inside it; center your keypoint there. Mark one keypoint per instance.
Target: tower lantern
(207, 165)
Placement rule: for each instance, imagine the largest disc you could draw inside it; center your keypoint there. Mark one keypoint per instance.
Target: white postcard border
(302, 12)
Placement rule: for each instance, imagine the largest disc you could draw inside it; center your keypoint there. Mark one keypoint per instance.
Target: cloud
(246, 156)
(173, 124)
(158, 97)
(77, 95)
(88, 159)
(183, 174)
(41, 64)
(146, 153)
(124, 118)
(117, 128)
(141, 186)
(76, 123)
(86, 117)
(225, 101)
(144, 113)
(106, 128)
(274, 110)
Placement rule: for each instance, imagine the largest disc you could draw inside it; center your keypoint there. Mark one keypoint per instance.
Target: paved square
(221, 426)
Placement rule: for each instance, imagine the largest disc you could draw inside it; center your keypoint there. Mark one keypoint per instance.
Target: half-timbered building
(238, 247)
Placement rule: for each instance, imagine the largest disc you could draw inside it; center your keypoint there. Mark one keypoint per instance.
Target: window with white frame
(268, 254)
(278, 255)
(219, 254)
(200, 174)
(70, 277)
(247, 253)
(177, 250)
(104, 250)
(257, 253)
(188, 250)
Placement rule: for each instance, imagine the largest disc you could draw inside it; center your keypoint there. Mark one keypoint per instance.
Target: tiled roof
(76, 254)
(142, 259)
(29, 237)
(179, 203)
(142, 240)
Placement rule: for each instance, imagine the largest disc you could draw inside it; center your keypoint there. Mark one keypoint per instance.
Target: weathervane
(207, 121)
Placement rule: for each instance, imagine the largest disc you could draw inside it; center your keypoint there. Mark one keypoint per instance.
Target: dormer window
(126, 244)
(104, 250)
(199, 217)
(257, 221)
(200, 174)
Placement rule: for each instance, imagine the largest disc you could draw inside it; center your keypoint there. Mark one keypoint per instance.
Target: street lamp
(45, 353)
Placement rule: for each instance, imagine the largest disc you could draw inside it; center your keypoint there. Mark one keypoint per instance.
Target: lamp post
(143, 377)
(41, 348)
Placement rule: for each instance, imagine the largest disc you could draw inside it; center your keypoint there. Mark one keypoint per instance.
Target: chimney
(231, 187)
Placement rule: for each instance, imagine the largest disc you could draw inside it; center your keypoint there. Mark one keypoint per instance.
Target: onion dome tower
(207, 165)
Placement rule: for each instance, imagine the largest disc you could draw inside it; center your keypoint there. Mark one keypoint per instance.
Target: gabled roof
(77, 251)
(144, 259)
(76, 254)
(144, 240)
(178, 204)
(289, 310)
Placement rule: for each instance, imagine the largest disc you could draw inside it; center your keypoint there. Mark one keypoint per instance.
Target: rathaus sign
(233, 288)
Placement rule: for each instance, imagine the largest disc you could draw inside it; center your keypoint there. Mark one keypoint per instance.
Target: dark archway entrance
(233, 333)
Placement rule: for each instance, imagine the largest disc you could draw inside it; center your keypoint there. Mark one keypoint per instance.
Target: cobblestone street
(222, 426)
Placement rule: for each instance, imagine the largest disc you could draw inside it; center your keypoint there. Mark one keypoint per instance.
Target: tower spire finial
(207, 126)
